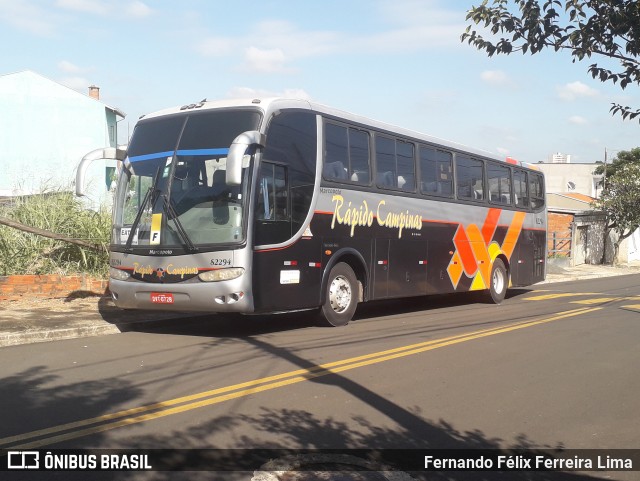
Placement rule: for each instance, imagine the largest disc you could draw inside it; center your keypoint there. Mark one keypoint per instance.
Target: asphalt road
(552, 367)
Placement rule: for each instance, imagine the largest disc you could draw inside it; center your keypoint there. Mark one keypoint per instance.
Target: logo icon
(23, 460)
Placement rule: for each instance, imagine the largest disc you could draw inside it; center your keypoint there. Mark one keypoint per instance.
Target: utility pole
(604, 174)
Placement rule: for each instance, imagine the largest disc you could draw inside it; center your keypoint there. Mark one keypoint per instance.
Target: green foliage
(585, 28)
(61, 213)
(620, 200)
(623, 157)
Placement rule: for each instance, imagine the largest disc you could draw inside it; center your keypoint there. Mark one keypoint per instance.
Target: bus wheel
(498, 287)
(341, 296)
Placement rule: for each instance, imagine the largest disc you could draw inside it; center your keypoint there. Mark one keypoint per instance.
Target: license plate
(162, 298)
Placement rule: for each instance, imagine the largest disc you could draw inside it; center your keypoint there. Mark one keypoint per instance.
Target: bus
(279, 205)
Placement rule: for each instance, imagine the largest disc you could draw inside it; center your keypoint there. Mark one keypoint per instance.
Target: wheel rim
(498, 281)
(340, 294)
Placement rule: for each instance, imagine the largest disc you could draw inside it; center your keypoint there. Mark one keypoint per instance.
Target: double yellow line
(128, 417)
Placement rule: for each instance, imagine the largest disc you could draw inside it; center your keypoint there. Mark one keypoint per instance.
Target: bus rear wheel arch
(341, 294)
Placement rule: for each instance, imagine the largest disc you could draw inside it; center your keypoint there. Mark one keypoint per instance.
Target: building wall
(560, 177)
(559, 234)
(45, 129)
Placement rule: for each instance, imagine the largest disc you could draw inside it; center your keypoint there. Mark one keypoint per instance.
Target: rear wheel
(498, 281)
(341, 296)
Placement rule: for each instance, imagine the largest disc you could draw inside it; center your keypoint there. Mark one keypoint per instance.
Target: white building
(572, 178)
(45, 129)
(559, 158)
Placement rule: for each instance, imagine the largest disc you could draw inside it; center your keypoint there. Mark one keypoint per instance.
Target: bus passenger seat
(406, 182)
(444, 187)
(385, 179)
(428, 187)
(335, 170)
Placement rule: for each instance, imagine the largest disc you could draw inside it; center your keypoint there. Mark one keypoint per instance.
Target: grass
(60, 212)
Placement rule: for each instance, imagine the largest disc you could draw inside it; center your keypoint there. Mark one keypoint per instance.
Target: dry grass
(62, 213)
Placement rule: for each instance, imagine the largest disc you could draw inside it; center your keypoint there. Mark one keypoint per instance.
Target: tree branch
(51, 235)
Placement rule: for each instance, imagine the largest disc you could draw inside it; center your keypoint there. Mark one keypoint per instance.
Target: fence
(560, 244)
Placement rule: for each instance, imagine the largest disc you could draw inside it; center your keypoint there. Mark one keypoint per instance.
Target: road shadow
(40, 398)
(226, 325)
(244, 441)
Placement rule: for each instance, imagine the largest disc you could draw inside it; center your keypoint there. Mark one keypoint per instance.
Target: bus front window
(172, 190)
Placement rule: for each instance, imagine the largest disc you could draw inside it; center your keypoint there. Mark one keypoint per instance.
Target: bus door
(539, 255)
(381, 269)
(522, 268)
(400, 268)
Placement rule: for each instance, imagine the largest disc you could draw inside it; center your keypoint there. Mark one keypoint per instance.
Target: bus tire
(341, 296)
(498, 281)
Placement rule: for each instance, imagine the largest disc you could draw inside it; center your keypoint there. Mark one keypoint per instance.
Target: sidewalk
(32, 320)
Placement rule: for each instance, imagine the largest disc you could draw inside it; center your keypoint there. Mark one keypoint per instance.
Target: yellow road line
(558, 295)
(186, 403)
(597, 300)
(631, 307)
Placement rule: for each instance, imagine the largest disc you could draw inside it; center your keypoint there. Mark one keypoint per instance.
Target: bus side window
(435, 171)
(499, 177)
(387, 176)
(396, 164)
(520, 189)
(406, 166)
(336, 152)
(469, 178)
(536, 190)
(346, 155)
(359, 158)
(272, 193)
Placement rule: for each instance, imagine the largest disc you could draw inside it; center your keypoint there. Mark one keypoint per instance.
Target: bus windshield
(172, 190)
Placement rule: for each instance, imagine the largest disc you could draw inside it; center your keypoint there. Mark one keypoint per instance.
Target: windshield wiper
(169, 209)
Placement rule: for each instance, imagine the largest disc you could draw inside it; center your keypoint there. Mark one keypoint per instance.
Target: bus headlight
(118, 274)
(221, 274)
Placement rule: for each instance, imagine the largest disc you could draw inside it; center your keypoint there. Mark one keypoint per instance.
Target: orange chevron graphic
(475, 251)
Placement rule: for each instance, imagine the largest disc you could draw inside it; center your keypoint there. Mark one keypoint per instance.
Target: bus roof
(270, 105)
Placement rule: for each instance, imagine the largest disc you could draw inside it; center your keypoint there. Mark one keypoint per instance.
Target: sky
(397, 61)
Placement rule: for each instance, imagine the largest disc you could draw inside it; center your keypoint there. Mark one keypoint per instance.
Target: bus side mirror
(105, 153)
(238, 149)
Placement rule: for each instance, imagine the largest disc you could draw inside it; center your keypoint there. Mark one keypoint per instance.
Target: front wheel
(341, 296)
(498, 281)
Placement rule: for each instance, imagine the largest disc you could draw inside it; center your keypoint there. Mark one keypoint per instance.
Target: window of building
(469, 178)
(436, 167)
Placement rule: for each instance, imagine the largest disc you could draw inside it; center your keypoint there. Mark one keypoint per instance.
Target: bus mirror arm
(237, 151)
(104, 153)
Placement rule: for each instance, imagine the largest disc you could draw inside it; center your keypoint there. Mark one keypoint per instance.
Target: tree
(623, 157)
(619, 201)
(585, 28)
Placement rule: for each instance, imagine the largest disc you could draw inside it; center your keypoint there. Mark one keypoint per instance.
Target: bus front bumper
(223, 296)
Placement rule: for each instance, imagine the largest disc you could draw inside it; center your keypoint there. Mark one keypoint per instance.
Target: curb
(30, 337)
(94, 328)
(100, 327)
